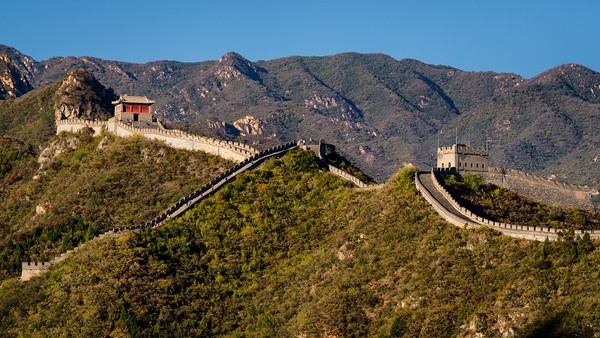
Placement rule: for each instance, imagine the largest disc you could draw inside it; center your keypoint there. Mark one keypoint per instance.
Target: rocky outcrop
(397, 108)
(81, 96)
(248, 125)
(13, 82)
(337, 105)
(54, 149)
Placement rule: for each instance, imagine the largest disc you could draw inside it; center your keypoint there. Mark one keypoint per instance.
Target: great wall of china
(451, 211)
(556, 193)
(233, 151)
(247, 158)
(31, 269)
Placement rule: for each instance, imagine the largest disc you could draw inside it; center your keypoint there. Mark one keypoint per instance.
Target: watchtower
(463, 158)
(133, 108)
(31, 269)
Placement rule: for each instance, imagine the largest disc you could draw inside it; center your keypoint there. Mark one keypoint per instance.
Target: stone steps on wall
(428, 183)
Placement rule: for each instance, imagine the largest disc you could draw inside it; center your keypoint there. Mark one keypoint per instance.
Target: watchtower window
(449, 165)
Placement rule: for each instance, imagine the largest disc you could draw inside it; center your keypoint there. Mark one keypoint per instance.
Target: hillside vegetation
(86, 185)
(288, 250)
(29, 118)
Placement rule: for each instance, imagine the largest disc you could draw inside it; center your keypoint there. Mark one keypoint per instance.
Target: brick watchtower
(133, 108)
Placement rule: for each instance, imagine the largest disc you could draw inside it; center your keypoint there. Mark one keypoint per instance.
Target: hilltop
(31, 117)
(379, 111)
(288, 250)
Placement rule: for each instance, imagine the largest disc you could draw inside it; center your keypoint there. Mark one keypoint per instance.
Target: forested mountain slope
(287, 250)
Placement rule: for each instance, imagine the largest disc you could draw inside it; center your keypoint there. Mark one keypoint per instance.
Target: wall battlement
(513, 230)
(344, 175)
(509, 171)
(462, 149)
(550, 192)
(81, 122)
(35, 265)
(233, 151)
(31, 269)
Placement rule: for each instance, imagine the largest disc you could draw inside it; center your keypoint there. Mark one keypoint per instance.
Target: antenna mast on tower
(456, 136)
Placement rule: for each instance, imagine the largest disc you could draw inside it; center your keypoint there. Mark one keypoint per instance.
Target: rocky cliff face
(80, 95)
(248, 125)
(13, 82)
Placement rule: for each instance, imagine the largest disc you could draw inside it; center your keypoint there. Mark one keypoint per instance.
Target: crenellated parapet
(234, 151)
(550, 192)
(346, 176)
(533, 177)
(32, 269)
(82, 122)
(463, 149)
(449, 208)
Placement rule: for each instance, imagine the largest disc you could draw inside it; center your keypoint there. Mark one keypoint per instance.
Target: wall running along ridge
(470, 219)
(248, 158)
(31, 269)
(233, 151)
(549, 192)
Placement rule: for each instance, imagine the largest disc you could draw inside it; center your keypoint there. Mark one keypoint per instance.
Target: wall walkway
(445, 205)
(30, 269)
(229, 150)
(352, 179)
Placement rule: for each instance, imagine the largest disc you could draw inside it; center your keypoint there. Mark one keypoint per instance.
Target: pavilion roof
(133, 99)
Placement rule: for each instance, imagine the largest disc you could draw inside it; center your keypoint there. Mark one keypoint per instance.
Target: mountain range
(286, 249)
(380, 112)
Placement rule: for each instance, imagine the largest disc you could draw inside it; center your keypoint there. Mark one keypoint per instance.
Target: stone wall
(233, 151)
(446, 160)
(517, 231)
(462, 157)
(37, 268)
(75, 125)
(512, 230)
(439, 208)
(468, 162)
(540, 189)
(31, 269)
(340, 173)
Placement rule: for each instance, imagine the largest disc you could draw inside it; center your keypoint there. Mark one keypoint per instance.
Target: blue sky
(523, 36)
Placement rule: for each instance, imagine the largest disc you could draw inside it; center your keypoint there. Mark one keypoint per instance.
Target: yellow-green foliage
(104, 183)
(30, 118)
(287, 250)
